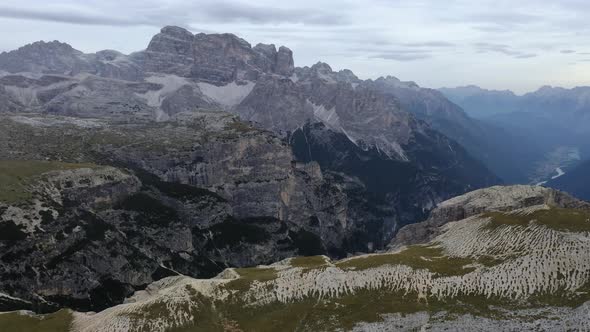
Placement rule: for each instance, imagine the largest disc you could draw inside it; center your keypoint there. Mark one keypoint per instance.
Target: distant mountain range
(554, 121)
(482, 103)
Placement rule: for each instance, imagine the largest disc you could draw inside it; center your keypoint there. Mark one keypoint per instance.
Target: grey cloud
(525, 56)
(567, 51)
(403, 55)
(431, 44)
(502, 18)
(492, 28)
(503, 49)
(494, 22)
(498, 48)
(64, 17)
(152, 13)
(257, 14)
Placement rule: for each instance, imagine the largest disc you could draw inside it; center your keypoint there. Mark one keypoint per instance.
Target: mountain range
(554, 122)
(205, 184)
(203, 138)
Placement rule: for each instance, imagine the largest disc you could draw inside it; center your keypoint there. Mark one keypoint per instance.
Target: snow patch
(328, 117)
(227, 95)
(154, 98)
(170, 83)
(4, 295)
(560, 173)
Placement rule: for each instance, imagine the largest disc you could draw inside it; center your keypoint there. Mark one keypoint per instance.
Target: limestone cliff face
(192, 196)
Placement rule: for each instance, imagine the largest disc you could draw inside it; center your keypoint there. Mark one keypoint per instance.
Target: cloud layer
(500, 43)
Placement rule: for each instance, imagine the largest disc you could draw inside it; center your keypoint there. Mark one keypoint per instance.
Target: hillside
(518, 264)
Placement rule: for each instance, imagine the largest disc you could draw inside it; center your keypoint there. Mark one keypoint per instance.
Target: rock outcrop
(497, 198)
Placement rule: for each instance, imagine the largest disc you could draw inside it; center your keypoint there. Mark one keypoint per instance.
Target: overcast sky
(519, 45)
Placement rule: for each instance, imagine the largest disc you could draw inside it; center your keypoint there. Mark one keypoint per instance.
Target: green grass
(15, 175)
(319, 315)
(308, 262)
(559, 219)
(431, 258)
(345, 311)
(490, 261)
(16, 322)
(331, 314)
(249, 275)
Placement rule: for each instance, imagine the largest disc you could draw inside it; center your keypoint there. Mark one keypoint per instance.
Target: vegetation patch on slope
(15, 175)
(311, 262)
(22, 322)
(430, 257)
(249, 275)
(559, 219)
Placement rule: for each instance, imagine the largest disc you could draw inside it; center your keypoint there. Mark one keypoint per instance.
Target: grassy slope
(564, 220)
(16, 174)
(418, 257)
(315, 314)
(17, 322)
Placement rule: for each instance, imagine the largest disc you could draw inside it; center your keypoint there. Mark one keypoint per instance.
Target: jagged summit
(217, 58)
(41, 56)
(177, 32)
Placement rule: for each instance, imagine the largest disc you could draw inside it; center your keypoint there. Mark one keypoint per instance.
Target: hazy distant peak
(396, 82)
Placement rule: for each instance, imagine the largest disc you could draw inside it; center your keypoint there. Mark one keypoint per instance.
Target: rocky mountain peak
(390, 78)
(395, 82)
(55, 45)
(214, 58)
(269, 50)
(49, 57)
(322, 67)
(176, 32)
(285, 64)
